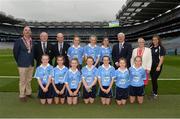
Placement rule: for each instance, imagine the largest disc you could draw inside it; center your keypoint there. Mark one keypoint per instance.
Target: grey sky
(62, 10)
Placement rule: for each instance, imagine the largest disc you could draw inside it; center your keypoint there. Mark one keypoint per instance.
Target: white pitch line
(9, 77)
(16, 77)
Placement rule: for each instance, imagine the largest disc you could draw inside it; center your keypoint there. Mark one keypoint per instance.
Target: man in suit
(24, 57)
(61, 48)
(122, 49)
(41, 48)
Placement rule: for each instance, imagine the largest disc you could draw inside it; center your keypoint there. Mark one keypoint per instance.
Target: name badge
(122, 81)
(89, 79)
(107, 78)
(61, 78)
(73, 82)
(136, 79)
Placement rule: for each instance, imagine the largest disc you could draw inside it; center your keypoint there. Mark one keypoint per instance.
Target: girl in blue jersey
(122, 82)
(89, 79)
(106, 50)
(43, 75)
(137, 77)
(92, 50)
(73, 82)
(76, 51)
(58, 80)
(106, 78)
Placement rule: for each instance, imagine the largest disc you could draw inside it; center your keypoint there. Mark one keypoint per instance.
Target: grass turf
(167, 106)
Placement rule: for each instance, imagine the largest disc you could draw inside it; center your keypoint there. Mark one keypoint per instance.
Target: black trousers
(154, 78)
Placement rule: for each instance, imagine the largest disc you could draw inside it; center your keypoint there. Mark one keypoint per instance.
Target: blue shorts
(136, 91)
(122, 93)
(48, 94)
(91, 94)
(104, 95)
(60, 87)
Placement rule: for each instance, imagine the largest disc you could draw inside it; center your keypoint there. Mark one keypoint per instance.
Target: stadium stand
(138, 18)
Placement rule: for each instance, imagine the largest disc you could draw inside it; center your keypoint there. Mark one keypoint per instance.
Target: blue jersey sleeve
(113, 72)
(37, 74)
(51, 72)
(99, 73)
(69, 52)
(66, 77)
(83, 72)
(98, 51)
(96, 72)
(130, 73)
(143, 74)
(85, 51)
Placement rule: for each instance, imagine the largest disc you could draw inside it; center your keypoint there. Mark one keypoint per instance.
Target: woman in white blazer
(146, 55)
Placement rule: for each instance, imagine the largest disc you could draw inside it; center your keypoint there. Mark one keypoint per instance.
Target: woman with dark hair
(158, 53)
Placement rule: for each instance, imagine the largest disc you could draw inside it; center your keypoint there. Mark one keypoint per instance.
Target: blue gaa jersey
(92, 51)
(43, 73)
(58, 74)
(105, 51)
(76, 52)
(137, 76)
(122, 78)
(73, 78)
(88, 74)
(106, 75)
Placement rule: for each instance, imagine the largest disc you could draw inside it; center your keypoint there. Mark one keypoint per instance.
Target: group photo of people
(65, 73)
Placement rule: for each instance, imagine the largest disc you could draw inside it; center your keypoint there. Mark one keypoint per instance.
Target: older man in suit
(121, 49)
(61, 48)
(43, 47)
(24, 56)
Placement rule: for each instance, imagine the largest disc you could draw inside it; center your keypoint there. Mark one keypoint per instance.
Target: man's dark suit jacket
(38, 52)
(126, 53)
(64, 53)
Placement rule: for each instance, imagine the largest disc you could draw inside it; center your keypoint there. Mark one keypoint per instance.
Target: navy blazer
(126, 52)
(21, 55)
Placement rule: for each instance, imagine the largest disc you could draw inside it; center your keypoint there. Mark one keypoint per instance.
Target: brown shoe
(23, 99)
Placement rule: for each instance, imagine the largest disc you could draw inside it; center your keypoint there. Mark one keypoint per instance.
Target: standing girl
(137, 77)
(43, 75)
(89, 79)
(106, 50)
(76, 51)
(92, 50)
(73, 82)
(58, 80)
(106, 79)
(122, 82)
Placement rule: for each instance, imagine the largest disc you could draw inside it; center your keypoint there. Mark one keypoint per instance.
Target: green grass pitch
(168, 104)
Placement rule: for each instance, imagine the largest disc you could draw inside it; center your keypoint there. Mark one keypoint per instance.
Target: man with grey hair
(121, 50)
(43, 47)
(24, 57)
(61, 48)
